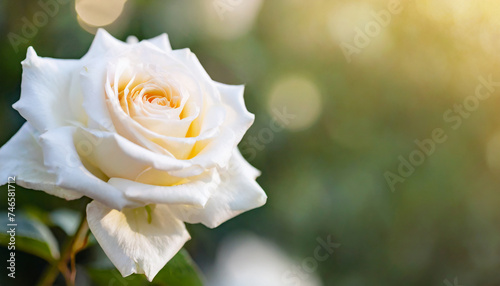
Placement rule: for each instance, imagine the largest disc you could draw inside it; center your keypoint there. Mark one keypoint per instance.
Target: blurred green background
(352, 119)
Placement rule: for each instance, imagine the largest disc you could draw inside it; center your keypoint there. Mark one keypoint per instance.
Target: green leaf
(67, 220)
(31, 236)
(179, 271)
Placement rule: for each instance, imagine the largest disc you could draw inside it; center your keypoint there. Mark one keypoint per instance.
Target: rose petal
(134, 242)
(22, 157)
(237, 193)
(216, 151)
(182, 147)
(117, 157)
(238, 119)
(189, 59)
(161, 42)
(93, 75)
(104, 45)
(135, 128)
(62, 160)
(245, 167)
(143, 132)
(45, 87)
(196, 191)
(166, 127)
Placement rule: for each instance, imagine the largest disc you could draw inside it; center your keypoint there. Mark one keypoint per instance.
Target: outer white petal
(237, 193)
(161, 42)
(45, 91)
(189, 59)
(62, 159)
(196, 191)
(22, 157)
(238, 119)
(92, 78)
(104, 45)
(245, 167)
(132, 243)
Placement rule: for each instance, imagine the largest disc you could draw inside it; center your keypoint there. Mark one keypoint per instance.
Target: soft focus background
(361, 81)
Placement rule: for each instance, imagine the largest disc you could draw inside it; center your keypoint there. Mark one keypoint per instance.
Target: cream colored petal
(22, 157)
(92, 80)
(166, 127)
(190, 60)
(104, 45)
(194, 191)
(118, 157)
(238, 119)
(143, 55)
(237, 193)
(161, 42)
(46, 91)
(135, 241)
(61, 158)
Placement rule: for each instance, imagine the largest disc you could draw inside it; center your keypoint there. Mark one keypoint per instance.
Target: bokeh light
(99, 13)
(300, 97)
(229, 18)
(248, 260)
(493, 153)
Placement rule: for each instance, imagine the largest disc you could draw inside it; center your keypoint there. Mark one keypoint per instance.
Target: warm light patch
(300, 98)
(493, 153)
(99, 13)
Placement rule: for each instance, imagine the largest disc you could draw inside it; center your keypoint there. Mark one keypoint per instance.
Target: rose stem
(68, 253)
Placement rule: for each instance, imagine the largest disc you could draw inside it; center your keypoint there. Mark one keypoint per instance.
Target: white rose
(146, 133)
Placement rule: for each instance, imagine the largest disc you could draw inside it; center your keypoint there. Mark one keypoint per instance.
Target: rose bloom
(146, 133)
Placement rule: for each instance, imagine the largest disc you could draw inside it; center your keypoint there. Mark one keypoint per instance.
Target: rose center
(154, 94)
